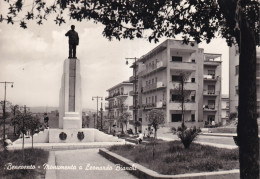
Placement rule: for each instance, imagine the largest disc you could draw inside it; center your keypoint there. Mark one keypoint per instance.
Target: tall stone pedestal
(70, 110)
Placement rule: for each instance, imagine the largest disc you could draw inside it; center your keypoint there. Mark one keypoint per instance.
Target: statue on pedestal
(73, 41)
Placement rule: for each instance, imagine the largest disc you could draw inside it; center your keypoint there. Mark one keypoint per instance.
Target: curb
(143, 172)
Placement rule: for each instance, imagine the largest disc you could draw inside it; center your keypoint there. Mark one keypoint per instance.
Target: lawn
(33, 157)
(171, 158)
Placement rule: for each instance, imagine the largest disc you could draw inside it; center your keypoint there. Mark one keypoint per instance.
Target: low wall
(143, 172)
(52, 136)
(223, 130)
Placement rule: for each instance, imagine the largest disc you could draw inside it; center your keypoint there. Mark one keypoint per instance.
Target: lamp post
(97, 97)
(12, 85)
(135, 89)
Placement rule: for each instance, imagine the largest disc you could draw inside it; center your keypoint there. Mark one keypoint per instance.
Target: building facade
(171, 71)
(224, 109)
(119, 101)
(233, 79)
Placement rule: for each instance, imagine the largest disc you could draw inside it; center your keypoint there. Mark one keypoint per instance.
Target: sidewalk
(88, 164)
(66, 146)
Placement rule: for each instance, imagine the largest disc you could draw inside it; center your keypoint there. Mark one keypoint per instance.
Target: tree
(155, 118)
(235, 20)
(15, 111)
(31, 123)
(181, 93)
(124, 118)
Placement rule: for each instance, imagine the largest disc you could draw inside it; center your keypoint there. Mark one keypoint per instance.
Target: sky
(33, 59)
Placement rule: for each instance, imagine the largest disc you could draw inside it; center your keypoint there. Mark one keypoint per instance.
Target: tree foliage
(200, 20)
(156, 117)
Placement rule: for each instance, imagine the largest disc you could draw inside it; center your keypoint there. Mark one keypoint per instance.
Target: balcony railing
(188, 105)
(132, 79)
(153, 86)
(182, 65)
(209, 107)
(209, 77)
(210, 93)
(187, 85)
(159, 104)
(132, 93)
(159, 66)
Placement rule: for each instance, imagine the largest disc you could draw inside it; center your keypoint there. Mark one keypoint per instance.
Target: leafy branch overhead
(199, 20)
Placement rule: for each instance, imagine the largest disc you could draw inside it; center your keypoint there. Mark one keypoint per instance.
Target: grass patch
(35, 157)
(172, 158)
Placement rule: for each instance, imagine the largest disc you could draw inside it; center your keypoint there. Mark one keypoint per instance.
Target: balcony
(132, 93)
(159, 66)
(210, 93)
(189, 66)
(209, 78)
(188, 106)
(154, 86)
(209, 108)
(133, 79)
(187, 85)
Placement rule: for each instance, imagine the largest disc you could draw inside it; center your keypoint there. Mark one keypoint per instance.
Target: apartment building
(119, 101)
(233, 79)
(224, 109)
(163, 71)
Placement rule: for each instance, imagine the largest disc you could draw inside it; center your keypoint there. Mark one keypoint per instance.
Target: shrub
(187, 135)
(173, 129)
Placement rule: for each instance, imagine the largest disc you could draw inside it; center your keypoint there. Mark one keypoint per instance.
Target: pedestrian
(46, 120)
(140, 138)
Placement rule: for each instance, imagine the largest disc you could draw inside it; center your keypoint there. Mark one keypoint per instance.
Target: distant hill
(41, 109)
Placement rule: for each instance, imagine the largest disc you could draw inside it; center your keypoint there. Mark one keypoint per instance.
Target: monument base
(72, 136)
(72, 120)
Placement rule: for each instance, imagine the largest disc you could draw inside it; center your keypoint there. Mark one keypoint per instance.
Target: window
(193, 80)
(193, 61)
(175, 97)
(211, 118)
(211, 72)
(193, 118)
(152, 98)
(193, 98)
(211, 104)
(152, 81)
(237, 70)
(155, 99)
(176, 117)
(211, 89)
(176, 59)
(155, 79)
(176, 78)
(227, 104)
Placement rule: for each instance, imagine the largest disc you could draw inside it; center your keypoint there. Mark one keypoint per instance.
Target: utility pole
(101, 115)
(97, 97)
(4, 115)
(135, 89)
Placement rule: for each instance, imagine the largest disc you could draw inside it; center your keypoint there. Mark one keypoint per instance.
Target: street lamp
(93, 98)
(5, 82)
(135, 89)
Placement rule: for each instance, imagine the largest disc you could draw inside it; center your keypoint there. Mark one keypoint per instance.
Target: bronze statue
(73, 41)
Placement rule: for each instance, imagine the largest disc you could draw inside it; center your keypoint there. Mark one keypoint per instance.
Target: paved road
(87, 158)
